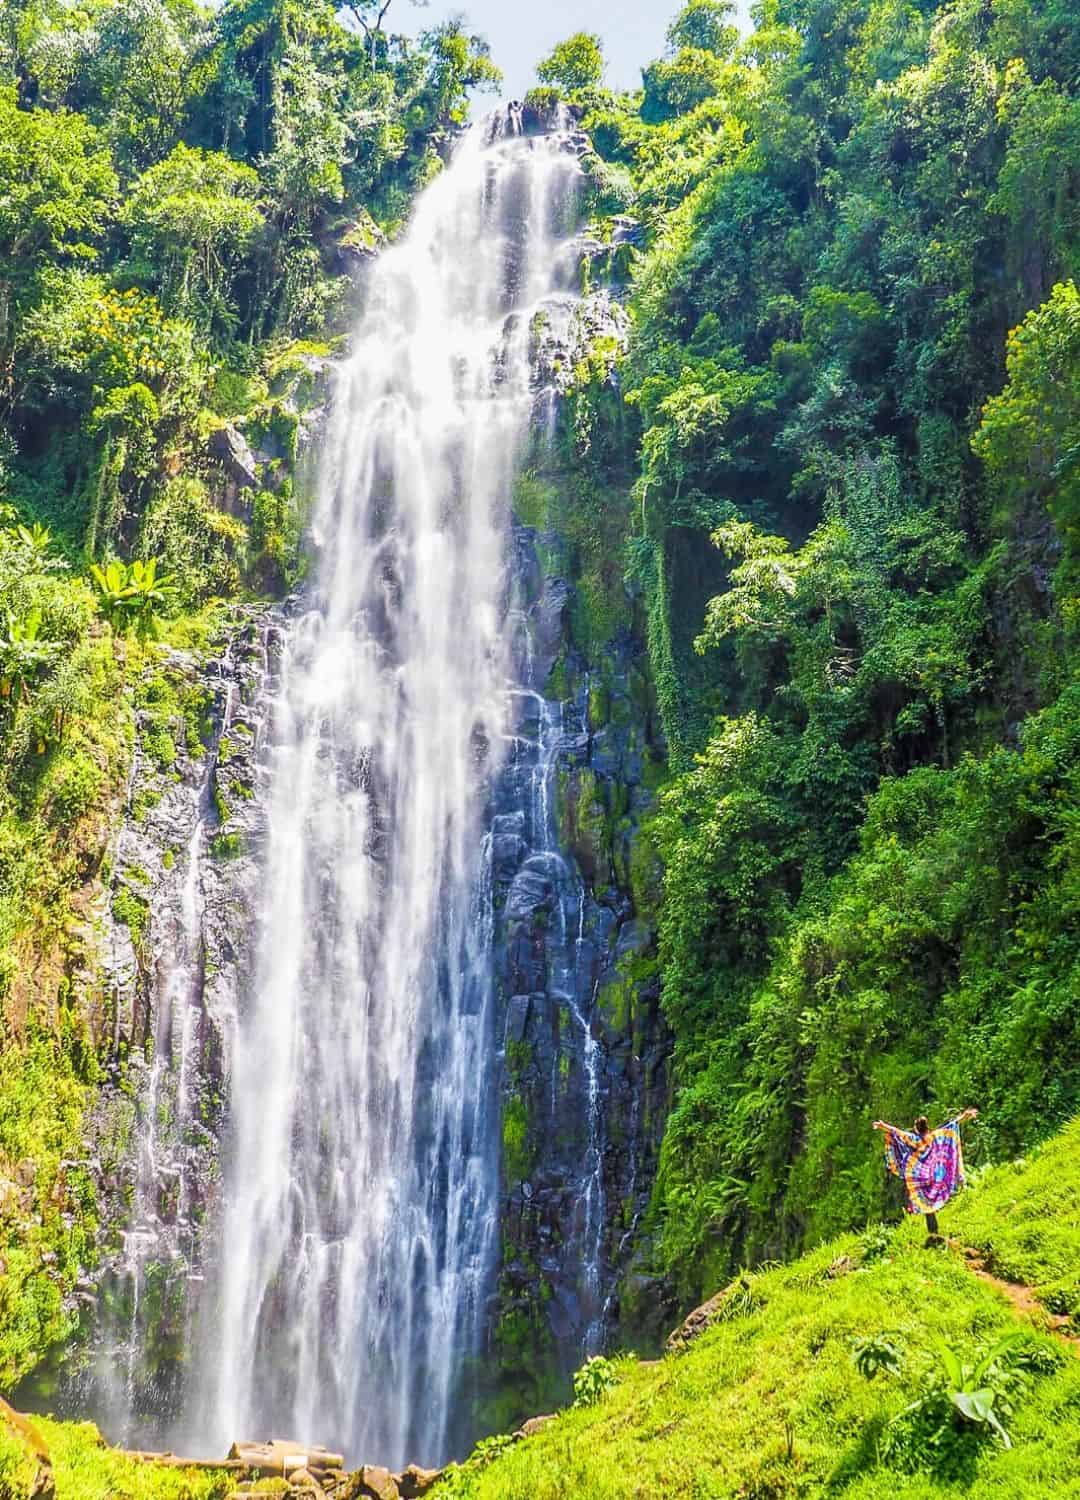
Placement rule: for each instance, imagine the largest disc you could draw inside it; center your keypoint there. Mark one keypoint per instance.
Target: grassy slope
(1028, 1221)
(711, 1422)
(86, 1470)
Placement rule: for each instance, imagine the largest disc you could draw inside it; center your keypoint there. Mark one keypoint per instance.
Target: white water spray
(359, 1235)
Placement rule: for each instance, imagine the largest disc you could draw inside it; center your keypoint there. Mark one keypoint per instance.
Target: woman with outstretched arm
(930, 1163)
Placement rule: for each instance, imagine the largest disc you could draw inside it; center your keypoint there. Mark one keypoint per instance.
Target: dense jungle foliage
(839, 464)
(851, 412)
(183, 190)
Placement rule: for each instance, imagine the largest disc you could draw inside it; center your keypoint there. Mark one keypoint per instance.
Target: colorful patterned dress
(930, 1167)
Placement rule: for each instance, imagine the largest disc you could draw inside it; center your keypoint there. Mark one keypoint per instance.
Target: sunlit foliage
(854, 525)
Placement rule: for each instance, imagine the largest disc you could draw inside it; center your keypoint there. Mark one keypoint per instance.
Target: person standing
(930, 1163)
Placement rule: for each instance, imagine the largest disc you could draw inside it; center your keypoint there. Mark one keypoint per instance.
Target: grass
(1026, 1218)
(768, 1404)
(18, 1468)
(86, 1470)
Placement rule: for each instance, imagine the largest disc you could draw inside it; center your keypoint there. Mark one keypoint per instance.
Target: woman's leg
(931, 1224)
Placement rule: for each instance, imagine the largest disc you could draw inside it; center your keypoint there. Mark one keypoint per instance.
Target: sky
(521, 32)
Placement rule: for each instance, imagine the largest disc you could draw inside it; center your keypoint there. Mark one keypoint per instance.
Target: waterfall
(347, 1289)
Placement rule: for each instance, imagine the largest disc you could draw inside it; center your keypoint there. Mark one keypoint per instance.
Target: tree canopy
(577, 63)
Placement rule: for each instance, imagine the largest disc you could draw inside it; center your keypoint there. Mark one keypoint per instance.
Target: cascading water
(359, 1237)
(541, 741)
(157, 1245)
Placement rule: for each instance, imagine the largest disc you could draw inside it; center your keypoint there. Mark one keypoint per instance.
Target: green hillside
(770, 1401)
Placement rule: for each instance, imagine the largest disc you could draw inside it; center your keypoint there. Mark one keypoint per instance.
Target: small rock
(416, 1481)
(695, 1323)
(304, 1479)
(232, 449)
(536, 1424)
(378, 1483)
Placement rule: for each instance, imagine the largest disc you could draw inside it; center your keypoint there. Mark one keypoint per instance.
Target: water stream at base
(347, 1289)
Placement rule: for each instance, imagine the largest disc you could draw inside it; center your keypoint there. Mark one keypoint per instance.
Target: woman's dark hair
(922, 1125)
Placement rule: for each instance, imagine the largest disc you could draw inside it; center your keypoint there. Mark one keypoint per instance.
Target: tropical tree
(577, 63)
(137, 71)
(193, 219)
(369, 15)
(57, 186)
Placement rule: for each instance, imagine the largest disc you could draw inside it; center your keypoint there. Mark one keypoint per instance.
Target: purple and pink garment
(932, 1169)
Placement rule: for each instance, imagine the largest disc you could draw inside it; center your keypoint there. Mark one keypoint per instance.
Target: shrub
(595, 1378)
(74, 788)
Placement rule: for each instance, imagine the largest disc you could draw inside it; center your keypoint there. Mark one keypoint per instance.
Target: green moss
(533, 500)
(518, 1057)
(599, 607)
(517, 1151)
(599, 706)
(621, 837)
(228, 845)
(558, 686)
(616, 1002)
(133, 911)
(584, 821)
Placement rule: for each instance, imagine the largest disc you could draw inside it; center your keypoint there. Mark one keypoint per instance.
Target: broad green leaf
(991, 1357)
(954, 1371)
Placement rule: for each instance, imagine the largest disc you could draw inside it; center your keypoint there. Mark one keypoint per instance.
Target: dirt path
(1023, 1299)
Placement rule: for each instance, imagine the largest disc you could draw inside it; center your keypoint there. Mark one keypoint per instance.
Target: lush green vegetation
(85, 1469)
(849, 1371)
(853, 524)
(64, 737)
(184, 189)
(1027, 1222)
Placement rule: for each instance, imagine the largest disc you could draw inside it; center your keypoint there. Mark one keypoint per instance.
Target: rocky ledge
(281, 1468)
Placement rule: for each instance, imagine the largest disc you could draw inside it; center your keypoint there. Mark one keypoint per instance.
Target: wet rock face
(175, 941)
(583, 1046)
